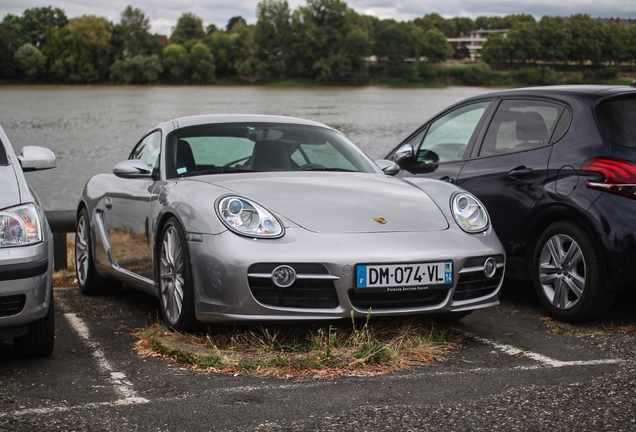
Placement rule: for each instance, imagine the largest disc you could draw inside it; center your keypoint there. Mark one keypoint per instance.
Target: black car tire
(175, 279)
(88, 280)
(566, 271)
(40, 339)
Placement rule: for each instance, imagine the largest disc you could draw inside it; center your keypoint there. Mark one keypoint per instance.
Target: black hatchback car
(556, 169)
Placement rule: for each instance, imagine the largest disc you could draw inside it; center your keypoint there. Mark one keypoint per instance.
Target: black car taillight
(620, 175)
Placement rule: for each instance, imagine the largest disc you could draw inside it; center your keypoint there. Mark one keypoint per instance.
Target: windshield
(215, 149)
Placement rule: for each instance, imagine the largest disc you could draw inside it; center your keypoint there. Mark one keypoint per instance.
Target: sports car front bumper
(231, 279)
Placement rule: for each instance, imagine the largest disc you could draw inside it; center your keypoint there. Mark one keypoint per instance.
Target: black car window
(448, 136)
(616, 117)
(148, 149)
(520, 125)
(3, 155)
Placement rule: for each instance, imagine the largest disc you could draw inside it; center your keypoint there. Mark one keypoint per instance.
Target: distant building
(471, 46)
(161, 38)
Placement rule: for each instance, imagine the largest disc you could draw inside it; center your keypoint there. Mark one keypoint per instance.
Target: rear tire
(89, 281)
(566, 271)
(40, 339)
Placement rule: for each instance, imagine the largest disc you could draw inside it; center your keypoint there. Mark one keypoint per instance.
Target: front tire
(176, 293)
(566, 273)
(89, 281)
(40, 339)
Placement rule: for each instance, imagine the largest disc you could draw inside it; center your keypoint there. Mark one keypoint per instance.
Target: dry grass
(377, 346)
(373, 347)
(66, 277)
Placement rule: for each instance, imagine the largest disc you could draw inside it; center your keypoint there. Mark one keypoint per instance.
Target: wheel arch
(553, 213)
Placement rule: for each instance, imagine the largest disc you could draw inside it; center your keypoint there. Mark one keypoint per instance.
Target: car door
(508, 169)
(439, 148)
(127, 205)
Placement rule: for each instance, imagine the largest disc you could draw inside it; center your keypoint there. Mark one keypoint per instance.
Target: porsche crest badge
(379, 220)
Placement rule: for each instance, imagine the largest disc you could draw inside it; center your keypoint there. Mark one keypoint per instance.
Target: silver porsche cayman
(231, 218)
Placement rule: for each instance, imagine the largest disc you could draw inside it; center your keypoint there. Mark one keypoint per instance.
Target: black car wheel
(89, 281)
(40, 339)
(566, 272)
(175, 279)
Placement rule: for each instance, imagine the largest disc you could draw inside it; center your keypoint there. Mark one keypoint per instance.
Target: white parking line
(120, 383)
(544, 360)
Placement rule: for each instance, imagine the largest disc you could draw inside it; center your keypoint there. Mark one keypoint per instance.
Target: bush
(136, 70)
(541, 75)
(478, 74)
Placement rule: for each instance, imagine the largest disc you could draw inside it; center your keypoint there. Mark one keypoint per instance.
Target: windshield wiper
(217, 171)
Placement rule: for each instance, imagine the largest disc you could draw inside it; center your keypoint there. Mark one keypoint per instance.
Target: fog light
(283, 276)
(490, 267)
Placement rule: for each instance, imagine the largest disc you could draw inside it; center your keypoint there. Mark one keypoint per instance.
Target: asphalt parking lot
(511, 374)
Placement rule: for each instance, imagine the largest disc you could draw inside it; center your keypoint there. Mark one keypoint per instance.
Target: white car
(26, 254)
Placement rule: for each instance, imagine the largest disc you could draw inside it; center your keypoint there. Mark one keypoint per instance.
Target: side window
(520, 125)
(148, 149)
(448, 136)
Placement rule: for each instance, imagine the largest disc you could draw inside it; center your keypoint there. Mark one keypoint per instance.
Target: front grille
(12, 305)
(314, 288)
(473, 283)
(397, 300)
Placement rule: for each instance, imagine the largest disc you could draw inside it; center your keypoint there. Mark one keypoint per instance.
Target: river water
(92, 128)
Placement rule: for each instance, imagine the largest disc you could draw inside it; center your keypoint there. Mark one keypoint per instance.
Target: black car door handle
(447, 179)
(520, 172)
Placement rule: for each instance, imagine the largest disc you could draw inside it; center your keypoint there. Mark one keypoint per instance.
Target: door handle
(108, 203)
(447, 179)
(520, 172)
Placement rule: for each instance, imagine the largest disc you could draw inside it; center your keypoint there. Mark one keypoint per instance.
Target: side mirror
(34, 158)
(389, 168)
(403, 153)
(133, 168)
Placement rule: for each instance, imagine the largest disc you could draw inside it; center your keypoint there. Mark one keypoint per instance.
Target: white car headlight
(248, 218)
(469, 213)
(20, 226)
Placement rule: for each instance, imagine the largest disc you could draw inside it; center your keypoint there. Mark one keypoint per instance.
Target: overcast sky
(163, 14)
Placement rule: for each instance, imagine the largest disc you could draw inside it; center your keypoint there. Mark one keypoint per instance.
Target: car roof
(565, 91)
(241, 118)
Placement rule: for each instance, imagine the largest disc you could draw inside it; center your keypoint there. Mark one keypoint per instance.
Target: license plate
(404, 275)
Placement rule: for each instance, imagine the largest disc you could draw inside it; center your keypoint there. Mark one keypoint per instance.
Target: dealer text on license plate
(404, 275)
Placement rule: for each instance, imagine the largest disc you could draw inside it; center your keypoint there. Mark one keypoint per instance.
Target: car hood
(10, 195)
(339, 202)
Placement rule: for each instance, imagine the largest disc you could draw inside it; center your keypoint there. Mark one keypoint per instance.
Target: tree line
(323, 41)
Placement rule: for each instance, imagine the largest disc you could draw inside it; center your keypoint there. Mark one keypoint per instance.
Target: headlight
(247, 218)
(469, 213)
(20, 226)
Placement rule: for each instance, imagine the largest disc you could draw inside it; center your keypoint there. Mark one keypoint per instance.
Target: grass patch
(370, 347)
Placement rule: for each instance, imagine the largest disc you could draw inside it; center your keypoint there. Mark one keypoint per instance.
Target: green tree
(437, 49)
(586, 39)
(398, 46)
(201, 64)
(553, 38)
(175, 63)
(30, 61)
(223, 47)
(189, 28)
(523, 41)
(31, 28)
(273, 35)
(319, 47)
(37, 21)
(234, 21)
(496, 49)
(436, 21)
(615, 45)
(131, 37)
(80, 52)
